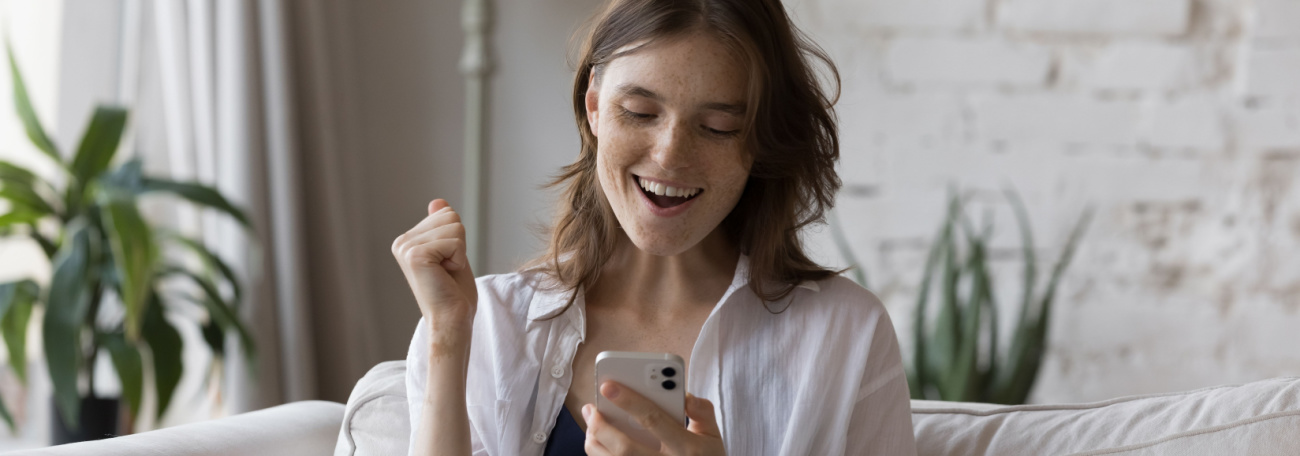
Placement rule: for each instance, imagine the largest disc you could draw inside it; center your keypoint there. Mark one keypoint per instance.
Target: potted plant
(955, 354)
(957, 359)
(104, 253)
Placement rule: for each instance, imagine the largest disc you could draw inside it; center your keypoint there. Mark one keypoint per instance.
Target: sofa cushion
(1259, 418)
(300, 428)
(375, 421)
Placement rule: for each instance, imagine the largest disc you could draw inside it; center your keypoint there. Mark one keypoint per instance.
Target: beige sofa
(1260, 418)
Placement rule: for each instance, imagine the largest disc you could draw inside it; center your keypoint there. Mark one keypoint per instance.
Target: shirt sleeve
(417, 368)
(417, 373)
(882, 416)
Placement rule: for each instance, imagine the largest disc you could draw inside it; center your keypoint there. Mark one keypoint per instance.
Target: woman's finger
(665, 427)
(610, 438)
(703, 420)
(437, 218)
(594, 448)
(437, 204)
(454, 230)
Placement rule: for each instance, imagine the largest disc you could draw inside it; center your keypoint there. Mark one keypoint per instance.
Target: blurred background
(333, 123)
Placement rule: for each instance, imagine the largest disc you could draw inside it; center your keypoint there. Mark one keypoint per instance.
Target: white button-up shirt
(823, 377)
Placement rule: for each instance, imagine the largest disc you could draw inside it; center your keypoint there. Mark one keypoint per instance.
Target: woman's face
(670, 153)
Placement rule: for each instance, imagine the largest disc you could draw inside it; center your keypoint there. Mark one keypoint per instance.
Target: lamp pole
(475, 66)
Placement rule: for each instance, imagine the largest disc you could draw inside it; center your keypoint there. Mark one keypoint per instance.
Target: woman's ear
(593, 105)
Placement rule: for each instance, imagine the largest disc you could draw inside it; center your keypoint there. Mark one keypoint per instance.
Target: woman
(706, 146)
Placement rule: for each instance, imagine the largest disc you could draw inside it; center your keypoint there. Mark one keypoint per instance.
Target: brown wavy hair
(790, 130)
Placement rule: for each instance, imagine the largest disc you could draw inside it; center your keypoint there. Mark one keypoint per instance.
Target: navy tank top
(567, 437)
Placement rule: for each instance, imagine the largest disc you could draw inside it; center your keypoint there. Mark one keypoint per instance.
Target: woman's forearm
(444, 422)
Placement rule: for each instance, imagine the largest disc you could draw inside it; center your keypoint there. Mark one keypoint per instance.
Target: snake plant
(103, 251)
(956, 356)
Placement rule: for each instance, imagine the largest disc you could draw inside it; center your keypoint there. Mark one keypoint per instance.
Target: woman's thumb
(438, 204)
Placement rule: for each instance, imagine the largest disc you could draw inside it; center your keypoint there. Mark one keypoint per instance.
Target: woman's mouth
(666, 196)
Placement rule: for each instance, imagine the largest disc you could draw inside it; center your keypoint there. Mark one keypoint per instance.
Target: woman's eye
(635, 115)
(725, 133)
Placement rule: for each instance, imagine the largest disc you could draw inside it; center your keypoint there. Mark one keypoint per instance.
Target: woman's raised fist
(432, 256)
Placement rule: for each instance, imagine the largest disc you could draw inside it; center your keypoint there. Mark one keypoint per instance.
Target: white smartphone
(660, 377)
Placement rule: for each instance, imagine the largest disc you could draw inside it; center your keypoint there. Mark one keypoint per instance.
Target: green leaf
(134, 255)
(1028, 345)
(166, 345)
(215, 337)
(212, 262)
(66, 307)
(1027, 247)
(991, 373)
(10, 172)
(129, 366)
(1037, 333)
(963, 383)
(25, 197)
(199, 194)
(9, 419)
(924, 375)
(127, 177)
(46, 244)
(18, 176)
(222, 313)
(99, 143)
(27, 113)
(947, 331)
(16, 302)
(19, 217)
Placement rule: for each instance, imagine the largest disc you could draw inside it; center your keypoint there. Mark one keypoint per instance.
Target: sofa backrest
(1259, 418)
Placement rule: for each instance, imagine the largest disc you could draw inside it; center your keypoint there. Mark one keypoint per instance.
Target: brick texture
(1178, 121)
(967, 61)
(884, 15)
(1274, 73)
(1096, 17)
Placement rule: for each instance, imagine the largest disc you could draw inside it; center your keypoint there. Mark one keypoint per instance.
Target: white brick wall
(884, 15)
(1056, 118)
(1194, 123)
(1096, 17)
(1133, 66)
(1268, 128)
(1278, 19)
(966, 61)
(1178, 120)
(1275, 72)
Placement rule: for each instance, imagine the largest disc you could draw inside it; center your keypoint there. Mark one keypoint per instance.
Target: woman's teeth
(664, 190)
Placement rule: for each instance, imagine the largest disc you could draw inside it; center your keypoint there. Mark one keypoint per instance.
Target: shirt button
(557, 371)
(539, 437)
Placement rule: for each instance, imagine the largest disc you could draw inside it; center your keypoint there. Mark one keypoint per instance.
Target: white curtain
(254, 97)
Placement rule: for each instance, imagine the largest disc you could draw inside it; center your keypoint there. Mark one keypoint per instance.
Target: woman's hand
(432, 256)
(701, 437)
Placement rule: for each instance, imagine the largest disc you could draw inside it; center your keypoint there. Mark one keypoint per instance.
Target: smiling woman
(707, 145)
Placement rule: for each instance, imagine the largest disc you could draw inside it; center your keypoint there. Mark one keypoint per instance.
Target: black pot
(98, 421)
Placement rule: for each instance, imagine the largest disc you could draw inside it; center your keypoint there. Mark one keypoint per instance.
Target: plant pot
(98, 420)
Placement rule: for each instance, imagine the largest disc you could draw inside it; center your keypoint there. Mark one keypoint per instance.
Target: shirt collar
(547, 303)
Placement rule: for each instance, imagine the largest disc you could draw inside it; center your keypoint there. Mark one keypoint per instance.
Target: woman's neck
(653, 285)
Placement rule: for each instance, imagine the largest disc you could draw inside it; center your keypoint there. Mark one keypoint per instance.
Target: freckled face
(671, 115)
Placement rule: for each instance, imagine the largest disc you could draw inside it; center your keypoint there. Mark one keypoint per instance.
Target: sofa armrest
(297, 428)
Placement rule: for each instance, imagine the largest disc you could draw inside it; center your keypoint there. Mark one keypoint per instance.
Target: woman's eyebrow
(735, 109)
(633, 90)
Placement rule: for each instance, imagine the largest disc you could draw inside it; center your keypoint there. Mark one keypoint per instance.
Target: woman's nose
(672, 147)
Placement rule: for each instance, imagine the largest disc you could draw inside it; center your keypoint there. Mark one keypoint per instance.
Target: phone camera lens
(669, 384)
(669, 372)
